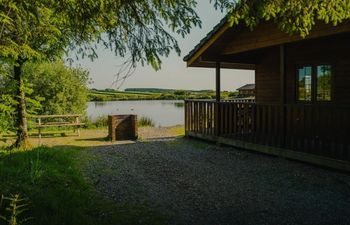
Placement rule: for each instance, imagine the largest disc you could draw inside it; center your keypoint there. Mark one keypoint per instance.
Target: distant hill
(161, 90)
(153, 94)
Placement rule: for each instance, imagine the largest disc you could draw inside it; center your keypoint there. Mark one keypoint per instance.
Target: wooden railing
(316, 129)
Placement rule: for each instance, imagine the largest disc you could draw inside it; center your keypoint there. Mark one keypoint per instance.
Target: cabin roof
(239, 47)
(247, 87)
(206, 38)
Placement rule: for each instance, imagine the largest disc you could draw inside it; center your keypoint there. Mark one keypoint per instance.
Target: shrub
(179, 92)
(63, 89)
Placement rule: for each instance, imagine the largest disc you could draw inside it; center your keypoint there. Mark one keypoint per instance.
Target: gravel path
(199, 183)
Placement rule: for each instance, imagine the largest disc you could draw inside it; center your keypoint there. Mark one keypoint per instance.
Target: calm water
(163, 113)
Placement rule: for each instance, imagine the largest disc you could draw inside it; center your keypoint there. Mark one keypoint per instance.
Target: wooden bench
(72, 120)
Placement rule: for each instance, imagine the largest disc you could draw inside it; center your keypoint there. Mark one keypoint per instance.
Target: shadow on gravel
(199, 183)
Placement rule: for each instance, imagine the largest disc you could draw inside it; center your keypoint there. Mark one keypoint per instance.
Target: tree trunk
(21, 120)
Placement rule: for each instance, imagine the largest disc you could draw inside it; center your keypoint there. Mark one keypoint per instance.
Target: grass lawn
(51, 180)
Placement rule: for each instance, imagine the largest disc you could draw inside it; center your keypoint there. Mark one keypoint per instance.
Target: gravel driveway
(198, 183)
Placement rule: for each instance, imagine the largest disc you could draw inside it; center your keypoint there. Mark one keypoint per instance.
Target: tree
(291, 16)
(6, 100)
(33, 30)
(62, 90)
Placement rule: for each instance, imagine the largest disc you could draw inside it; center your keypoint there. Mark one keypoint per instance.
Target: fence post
(39, 130)
(78, 125)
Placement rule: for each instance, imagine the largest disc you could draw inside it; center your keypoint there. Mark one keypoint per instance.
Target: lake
(162, 112)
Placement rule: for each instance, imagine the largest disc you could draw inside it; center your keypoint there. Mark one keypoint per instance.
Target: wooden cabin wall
(333, 50)
(267, 77)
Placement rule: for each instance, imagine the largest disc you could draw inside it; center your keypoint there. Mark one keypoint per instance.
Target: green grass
(146, 122)
(118, 95)
(53, 183)
(109, 95)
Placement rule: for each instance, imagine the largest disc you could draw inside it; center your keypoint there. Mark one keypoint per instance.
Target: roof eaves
(206, 38)
(247, 87)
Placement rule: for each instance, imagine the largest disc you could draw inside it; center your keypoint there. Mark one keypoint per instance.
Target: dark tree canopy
(33, 30)
(45, 29)
(292, 16)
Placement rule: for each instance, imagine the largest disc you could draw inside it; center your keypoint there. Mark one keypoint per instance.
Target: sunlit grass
(178, 130)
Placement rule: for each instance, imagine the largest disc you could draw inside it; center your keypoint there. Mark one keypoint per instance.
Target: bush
(233, 94)
(63, 89)
(179, 92)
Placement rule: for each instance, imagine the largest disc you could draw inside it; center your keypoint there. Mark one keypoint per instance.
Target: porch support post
(218, 82)
(283, 97)
(217, 117)
(283, 73)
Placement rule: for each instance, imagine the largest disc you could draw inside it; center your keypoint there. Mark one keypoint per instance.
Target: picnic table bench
(44, 121)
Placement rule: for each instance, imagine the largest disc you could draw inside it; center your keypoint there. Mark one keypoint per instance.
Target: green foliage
(180, 92)
(63, 90)
(59, 186)
(146, 122)
(168, 96)
(33, 30)
(292, 16)
(151, 94)
(98, 95)
(99, 122)
(51, 88)
(62, 194)
(233, 94)
(14, 210)
(6, 112)
(9, 100)
(45, 29)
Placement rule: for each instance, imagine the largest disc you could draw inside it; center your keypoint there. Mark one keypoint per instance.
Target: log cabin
(247, 90)
(302, 101)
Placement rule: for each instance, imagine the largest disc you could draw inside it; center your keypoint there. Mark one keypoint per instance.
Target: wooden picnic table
(70, 120)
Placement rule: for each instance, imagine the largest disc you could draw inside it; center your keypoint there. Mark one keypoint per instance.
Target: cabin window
(305, 83)
(324, 87)
(314, 83)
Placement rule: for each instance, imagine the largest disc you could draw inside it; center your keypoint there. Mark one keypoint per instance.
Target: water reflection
(164, 113)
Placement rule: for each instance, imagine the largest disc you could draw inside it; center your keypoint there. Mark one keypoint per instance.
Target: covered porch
(295, 114)
(273, 128)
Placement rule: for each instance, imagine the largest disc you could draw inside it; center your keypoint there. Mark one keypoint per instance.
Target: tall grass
(58, 192)
(99, 122)
(146, 122)
(102, 122)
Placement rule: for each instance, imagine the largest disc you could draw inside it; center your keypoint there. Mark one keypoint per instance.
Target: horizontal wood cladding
(267, 34)
(333, 50)
(267, 77)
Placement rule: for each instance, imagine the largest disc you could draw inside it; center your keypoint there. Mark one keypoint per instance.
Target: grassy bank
(55, 191)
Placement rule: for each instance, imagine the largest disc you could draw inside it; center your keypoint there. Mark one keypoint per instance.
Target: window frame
(313, 66)
(299, 66)
(331, 82)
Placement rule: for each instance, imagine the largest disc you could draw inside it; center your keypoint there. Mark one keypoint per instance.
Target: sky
(174, 74)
